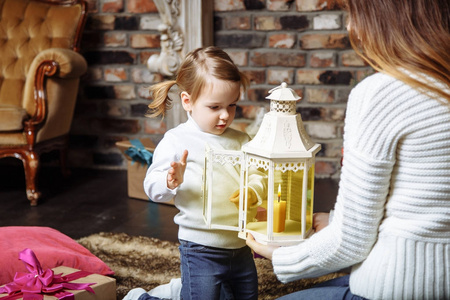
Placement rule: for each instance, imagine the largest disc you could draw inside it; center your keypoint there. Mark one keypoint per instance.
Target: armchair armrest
(68, 64)
(64, 67)
(71, 63)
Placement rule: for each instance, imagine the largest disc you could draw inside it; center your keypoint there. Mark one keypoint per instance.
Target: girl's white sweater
(188, 196)
(392, 215)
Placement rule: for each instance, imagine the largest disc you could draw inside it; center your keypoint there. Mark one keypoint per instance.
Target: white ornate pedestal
(186, 25)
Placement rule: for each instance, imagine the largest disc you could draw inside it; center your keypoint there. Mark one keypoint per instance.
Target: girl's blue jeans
(215, 273)
(334, 289)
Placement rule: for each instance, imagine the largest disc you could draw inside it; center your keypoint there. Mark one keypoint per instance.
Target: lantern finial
(283, 93)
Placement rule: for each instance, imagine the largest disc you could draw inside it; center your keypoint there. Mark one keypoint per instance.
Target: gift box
(104, 286)
(139, 154)
(57, 283)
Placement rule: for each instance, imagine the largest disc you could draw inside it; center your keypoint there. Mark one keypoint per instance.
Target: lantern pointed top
(283, 93)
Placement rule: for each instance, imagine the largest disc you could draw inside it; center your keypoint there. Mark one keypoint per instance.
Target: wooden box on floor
(136, 171)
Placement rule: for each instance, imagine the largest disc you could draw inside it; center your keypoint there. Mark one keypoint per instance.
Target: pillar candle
(279, 213)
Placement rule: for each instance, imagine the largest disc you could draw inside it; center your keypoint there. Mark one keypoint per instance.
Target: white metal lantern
(281, 158)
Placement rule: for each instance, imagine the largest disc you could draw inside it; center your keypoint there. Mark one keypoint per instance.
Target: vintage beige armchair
(40, 68)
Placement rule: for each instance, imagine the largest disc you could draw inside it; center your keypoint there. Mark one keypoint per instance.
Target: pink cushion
(52, 249)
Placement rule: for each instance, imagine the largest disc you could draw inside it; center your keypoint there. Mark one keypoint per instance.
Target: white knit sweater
(392, 215)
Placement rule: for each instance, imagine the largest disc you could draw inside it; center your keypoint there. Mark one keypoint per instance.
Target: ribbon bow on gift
(139, 153)
(32, 285)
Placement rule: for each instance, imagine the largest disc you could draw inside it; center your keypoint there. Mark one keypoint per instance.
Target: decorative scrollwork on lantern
(226, 159)
(283, 106)
(258, 163)
(289, 167)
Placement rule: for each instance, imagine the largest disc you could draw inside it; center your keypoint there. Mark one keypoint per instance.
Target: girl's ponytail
(161, 101)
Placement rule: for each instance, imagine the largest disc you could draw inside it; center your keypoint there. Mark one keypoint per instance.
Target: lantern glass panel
(310, 198)
(222, 179)
(287, 212)
(205, 190)
(256, 217)
(291, 197)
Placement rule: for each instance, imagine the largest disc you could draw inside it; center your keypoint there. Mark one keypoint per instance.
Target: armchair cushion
(12, 117)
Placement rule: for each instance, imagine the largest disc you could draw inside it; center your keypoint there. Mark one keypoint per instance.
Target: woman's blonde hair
(199, 68)
(395, 36)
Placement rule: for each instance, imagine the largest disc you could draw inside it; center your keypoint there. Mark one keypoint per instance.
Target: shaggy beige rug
(148, 262)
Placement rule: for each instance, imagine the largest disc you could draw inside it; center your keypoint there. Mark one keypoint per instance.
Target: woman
(391, 221)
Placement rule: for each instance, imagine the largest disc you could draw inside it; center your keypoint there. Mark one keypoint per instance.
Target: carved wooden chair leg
(31, 166)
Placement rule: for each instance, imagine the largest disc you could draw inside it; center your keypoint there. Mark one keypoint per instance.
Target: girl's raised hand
(175, 174)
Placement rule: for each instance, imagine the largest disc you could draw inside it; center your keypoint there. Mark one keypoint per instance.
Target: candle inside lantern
(279, 213)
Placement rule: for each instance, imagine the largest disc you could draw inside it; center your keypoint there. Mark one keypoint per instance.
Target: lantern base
(278, 239)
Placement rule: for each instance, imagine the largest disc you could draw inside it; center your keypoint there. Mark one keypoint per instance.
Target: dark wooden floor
(91, 201)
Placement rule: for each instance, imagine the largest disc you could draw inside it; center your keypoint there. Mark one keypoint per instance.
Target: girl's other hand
(252, 198)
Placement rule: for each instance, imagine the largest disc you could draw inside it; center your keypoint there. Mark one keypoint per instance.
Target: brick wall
(303, 43)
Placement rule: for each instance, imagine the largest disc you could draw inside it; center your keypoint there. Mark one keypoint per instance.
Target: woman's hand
(175, 174)
(263, 250)
(320, 221)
